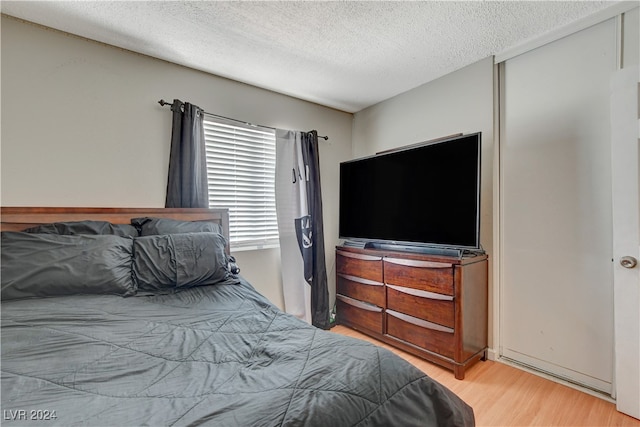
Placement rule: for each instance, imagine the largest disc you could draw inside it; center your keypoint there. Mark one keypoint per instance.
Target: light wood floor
(502, 395)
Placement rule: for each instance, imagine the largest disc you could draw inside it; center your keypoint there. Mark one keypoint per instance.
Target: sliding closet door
(556, 214)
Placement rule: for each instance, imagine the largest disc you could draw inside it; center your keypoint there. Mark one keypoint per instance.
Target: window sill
(256, 247)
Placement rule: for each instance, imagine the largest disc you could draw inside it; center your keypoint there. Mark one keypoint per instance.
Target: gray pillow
(85, 227)
(148, 226)
(171, 261)
(43, 265)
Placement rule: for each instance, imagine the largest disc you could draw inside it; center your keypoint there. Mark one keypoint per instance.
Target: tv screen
(424, 195)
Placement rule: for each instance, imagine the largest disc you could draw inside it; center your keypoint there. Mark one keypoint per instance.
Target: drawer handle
(418, 263)
(421, 293)
(359, 256)
(420, 322)
(359, 304)
(360, 280)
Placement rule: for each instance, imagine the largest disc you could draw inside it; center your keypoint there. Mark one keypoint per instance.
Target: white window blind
(241, 174)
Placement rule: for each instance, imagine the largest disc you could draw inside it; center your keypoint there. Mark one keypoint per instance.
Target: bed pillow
(172, 261)
(85, 227)
(149, 226)
(44, 265)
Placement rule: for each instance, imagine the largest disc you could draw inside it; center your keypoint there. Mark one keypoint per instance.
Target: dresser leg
(458, 372)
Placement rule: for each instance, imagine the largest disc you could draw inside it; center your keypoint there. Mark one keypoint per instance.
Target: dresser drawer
(436, 308)
(360, 265)
(359, 314)
(430, 336)
(361, 289)
(426, 275)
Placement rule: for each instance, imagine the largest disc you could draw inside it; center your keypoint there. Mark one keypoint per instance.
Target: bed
(105, 328)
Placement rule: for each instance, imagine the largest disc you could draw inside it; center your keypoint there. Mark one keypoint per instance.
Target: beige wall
(460, 102)
(81, 126)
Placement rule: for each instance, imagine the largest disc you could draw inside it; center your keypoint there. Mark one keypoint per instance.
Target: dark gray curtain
(300, 229)
(187, 184)
(316, 261)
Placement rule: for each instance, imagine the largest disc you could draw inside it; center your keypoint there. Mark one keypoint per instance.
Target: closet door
(556, 213)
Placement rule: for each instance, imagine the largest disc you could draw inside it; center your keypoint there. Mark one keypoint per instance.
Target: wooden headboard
(20, 218)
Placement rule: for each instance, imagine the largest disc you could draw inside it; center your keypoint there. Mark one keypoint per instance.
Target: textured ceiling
(343, 54)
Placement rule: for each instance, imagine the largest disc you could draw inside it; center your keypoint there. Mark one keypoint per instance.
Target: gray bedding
(218, 355)
(88, 353)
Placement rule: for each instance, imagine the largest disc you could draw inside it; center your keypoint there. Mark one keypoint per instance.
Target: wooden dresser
(434, 307)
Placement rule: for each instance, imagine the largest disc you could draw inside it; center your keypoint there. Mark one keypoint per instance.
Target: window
(241, 173)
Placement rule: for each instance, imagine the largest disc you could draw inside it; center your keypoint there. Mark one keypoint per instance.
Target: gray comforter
(219, 355)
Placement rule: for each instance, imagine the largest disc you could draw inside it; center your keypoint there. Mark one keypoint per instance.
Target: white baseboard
(492, 354)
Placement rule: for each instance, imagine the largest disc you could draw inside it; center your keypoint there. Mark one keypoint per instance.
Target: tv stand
(432, 306)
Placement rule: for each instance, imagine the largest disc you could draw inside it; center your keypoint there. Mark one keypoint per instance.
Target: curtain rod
(163, 103)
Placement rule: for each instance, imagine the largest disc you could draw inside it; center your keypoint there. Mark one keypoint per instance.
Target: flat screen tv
(421, 196)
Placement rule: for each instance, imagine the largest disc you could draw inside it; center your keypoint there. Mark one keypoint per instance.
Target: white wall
(81, 126)
(630, 40)
(460, 102)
